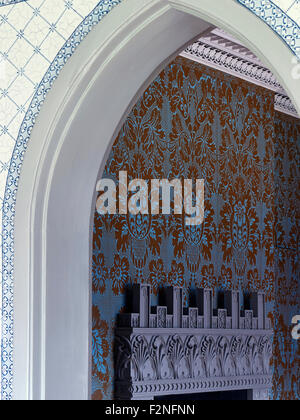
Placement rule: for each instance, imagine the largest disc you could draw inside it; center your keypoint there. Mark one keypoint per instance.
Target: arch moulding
(70, 141)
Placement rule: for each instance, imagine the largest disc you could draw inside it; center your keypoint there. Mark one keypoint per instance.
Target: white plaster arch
(71, 139)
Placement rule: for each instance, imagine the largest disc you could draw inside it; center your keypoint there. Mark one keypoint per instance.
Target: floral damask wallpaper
(287, 215)
(194, 122)
(26, 54)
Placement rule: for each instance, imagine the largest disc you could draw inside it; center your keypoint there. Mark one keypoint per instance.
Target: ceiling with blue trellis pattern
(32, 32)
(283, 16)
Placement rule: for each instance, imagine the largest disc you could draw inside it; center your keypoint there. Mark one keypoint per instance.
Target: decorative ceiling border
(221, 51)
(101, 10)
(278, 20)
(10, 2)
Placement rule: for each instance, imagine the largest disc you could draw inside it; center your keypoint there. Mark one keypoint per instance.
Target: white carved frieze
(192, 350)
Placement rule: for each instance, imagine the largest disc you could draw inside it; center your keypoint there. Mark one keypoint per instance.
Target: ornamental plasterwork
(221, 51)
(172, 350)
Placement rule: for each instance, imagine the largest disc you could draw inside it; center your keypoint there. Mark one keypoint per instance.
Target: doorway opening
(203, 117)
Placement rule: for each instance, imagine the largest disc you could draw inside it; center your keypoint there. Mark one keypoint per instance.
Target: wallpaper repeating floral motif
(25, 55)
(192, 122)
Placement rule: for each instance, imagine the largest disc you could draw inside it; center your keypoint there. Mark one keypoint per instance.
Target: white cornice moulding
(221, 51)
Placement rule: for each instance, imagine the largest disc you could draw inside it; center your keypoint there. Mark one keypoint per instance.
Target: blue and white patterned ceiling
(32, 32)
(290, 7)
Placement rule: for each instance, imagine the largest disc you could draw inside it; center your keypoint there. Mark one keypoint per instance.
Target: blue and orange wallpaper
(194, 122)
(287, 297)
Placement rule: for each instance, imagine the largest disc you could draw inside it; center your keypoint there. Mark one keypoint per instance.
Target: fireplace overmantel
(171, 350)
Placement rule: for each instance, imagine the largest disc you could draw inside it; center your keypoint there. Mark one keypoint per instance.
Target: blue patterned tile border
(278, 20)
(101, 10)
(264, 9)
(8, 2)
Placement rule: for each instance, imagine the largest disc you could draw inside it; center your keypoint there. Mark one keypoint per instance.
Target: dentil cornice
(221, 51)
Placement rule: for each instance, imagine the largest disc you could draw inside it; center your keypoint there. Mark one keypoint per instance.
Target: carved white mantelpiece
(192, 350)
(221, 51)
